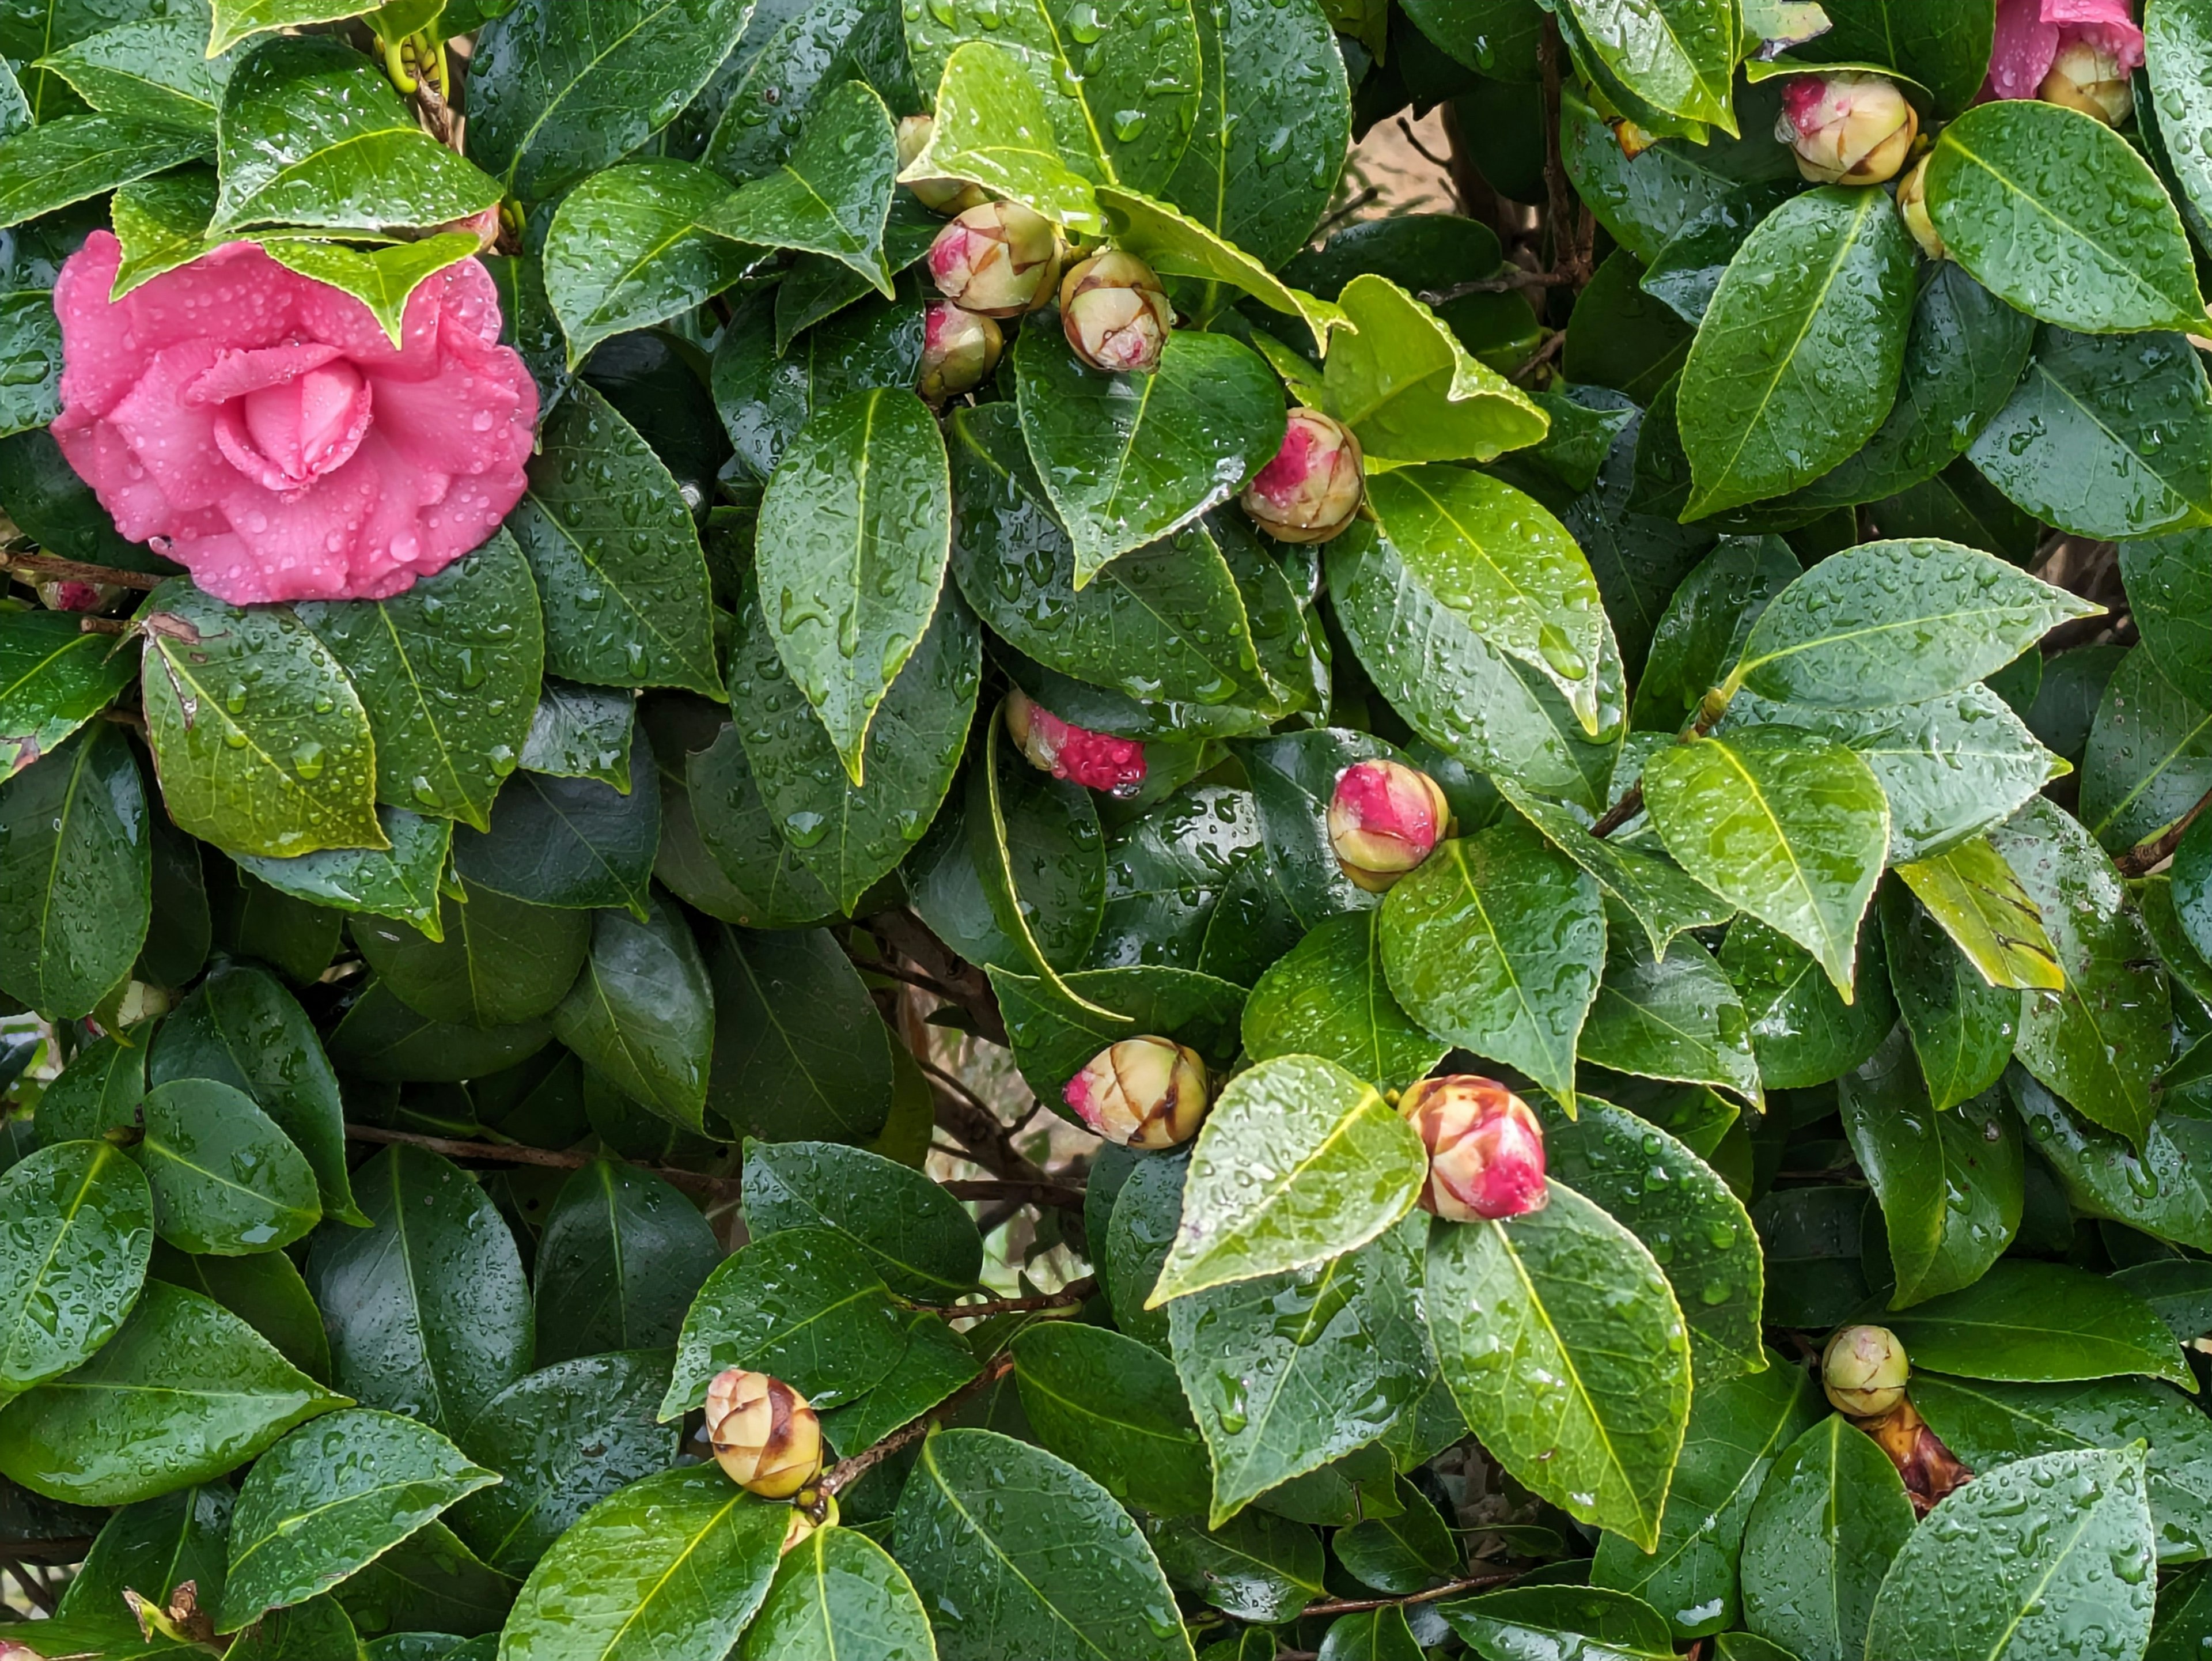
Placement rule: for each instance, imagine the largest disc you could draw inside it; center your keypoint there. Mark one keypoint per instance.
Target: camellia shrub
(826, 839)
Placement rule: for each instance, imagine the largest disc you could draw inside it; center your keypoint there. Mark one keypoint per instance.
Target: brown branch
(45, 1551)
(47, 568)
(1355, 1605)
(962, 1115)
(1513, 279)
(91, 625)
(846, 1472)
(1537, 359)
(1074, 1295)
(2147, 856)
(550, 1159)
(1620, 812)
(1346, 212)
(963, 984)
(890, 971)
(1059, 1195)
(1559, 197)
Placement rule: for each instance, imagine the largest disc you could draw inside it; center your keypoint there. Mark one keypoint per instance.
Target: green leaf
(382, 279)
(616, 555)
(2030, 198)
(2100, 1041)
(260, 740)
(1328, 997)
(97, 1091)
(1889, 622)
(1408, 390)
(429, 1581)
(1644, 203)
(1402, 1554)
(1592, 1621)
(76, 862)
(1829, 1517)
(225, 1179)
(1738, 1428)
(1127, 460)
(2032, 1322)
(381, 1038)
(642, 1013)
(766, 389)
(1945, 46)
(81, 1227)
(240, 1028)
(184, 1392)
(1791, 826)
(2107, 436)
(307, 1517)
(1990, 1425)
(53, 678)
(1973, 895)
(936, 1363)
(311, 133)
(1582, 1398)
(1678, 1019)
(1014, 1552)
(1690, 1219)
(837, 1594)
(735, 863)
(1293, 777)
(675, 1564)
(2161, 1190)
(1962, 1028)
(1801, 1031)
(46, 167)
(152, 1548)
(1297, 1162)
(1175, 245)
(2149, 755)
(1662, 899)
(1620, 336)
(1112, 1408)
(236, 20)
(582, 732)
(1496, 943)
(1798, 358)
(572, 844)
(1257, 1566)
(620, 1257)
(992, 127)
(535, 1433)
(265, 1292)
(804, 1304)
(799, 1050)
(630, 246)
(831, 195)
(1677, 56)
(1992, 1574)
(854, 532)
(448, 671)
(497, 961)
(920, 1239)
(427, 1311)
(400, 882)
(2169, 587)
(1138, 1220)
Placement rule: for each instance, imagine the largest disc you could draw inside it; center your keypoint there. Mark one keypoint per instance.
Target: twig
(122, 717)
(2147, 856)
(1421, 149)
(1559, 199)
(963, 983)
(846, 1472)
(1074, 1295)
(550, 1159)
(1537, 359)
(1711, 709)
(1513, 279)
(1355, 1605)
(963, 1115)
(1620, 812)
(1349, 209)
(1059, 1195)
(904, 976)
(45, 1551)
(92, 625)
(47, 568)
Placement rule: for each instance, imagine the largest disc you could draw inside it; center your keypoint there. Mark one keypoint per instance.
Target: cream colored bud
(944, 196)
(1864, 1370)
(1912, 208)
(959, 349)
(1485, 1149)
(1115, 314)
(1846, 128)
(1142, 1093)
(2086, 77)
(999, 259)
(1384, 818)
(1313, 488)
(765, 1437)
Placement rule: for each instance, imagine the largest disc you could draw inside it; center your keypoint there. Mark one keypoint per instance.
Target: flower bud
(1115, 313)
(1847, 128)
(485, 227)
(2086, 76)
(945, 195)
(1863, 1370)
(72, 596)
(999, 258)
(1384, 820)
(959, 349)
(1912, 208)
(1313, 487)
(1096, 761)
(766, 1439)
(1485, 1148)
(1142, 1093)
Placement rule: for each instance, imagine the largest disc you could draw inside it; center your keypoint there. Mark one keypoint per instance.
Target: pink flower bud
(485, 227)
(2088, 76)
(1098, 761)
(1384, 820)
(999, 259)
(1485, 1149)
(69, 596)
(1313, 487)
(766, 1437)
(1143, 1092)
(1115, 314)
(1864, 1370)
(959, 349)
(1912, 209)
(1847, 128)
(944, 196)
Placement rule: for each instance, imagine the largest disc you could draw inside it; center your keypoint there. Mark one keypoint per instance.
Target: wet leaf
(2034, 1322)
(641, 1012)
(1829, 1517)
(1408, 390)
(1327, 997)
(831, 194)
(1961, 1027)
(1113, 1408)
(799, 1050)
(79, 1229)
(47, 167)
(75, 860)
(225, 1179)
(1676, 1019)
(838, 1593)
(631, 247)
(499, 960)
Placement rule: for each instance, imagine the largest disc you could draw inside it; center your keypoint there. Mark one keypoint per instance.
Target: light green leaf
(1327, 997)
(1408, 390)
(1173, 244)
(400, 882)
(2035, 1323)
(46, 167)
(992, 127)
(152, 69)
(381, 278)
(1972, 893)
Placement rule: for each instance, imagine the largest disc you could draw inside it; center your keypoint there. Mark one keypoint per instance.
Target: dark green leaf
(53, 678)
(920, 1239)
(151, 1548)
(1676, 1019)
(630, 247)
(1112, 1406)
(1593, 1621)
(1962, 1028)
(1327, 997)
(225, 1179)
(838, 1594)
(2169, 586)
(80, 1230)
(2032, 1322)
(2161, 1190)
(1256, 1566)
(831, 194)
(76, 862)
(400, 882)
(501, 960)
(642, 1012)
(2149, 755)
(801, 1050)
(1829, 1516)
(569, 843)
(382, 1038)
(621, 1257)
(265, 1291)
(46, 167)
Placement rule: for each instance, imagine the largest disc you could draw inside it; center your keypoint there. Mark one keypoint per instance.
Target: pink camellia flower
(260, 428)
(1096, 761)
(2032, 33)
(1485, 1148)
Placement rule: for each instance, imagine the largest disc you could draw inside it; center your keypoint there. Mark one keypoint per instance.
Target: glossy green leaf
(1113, 1408)
(993, 128)
(1583, 1399)
(53, 678)
(1829, 1517)
(2149, 755)
(1678, 1018)
(777, 1076)
(1801, 1030)
(1177, 246)
(582, 732)
(1798, 358)
(569, 843)
(2030, 198)
(630, 246)
(1297, 1162)
(499, 960)
(620, 1258)
(448, 672)
(76, 862)
(260, 740)
(382, 279)
(642, 1012)
(1595, 1620)
(1408, 388)
(921, 1240)
(46, 167)
(1328, 997)
(330, 1498)
(429, 1581)
(1961, 1027)
(1256, 1566)
(1402, 1554)
(265, 1291)
(381, 1038)
(766, 388)
(837, 1594)
(1016, 1552)
(2169, 586)
(936, 1363)
(79, 1229)
(1991, 1574)
(184, 1392)
(2161, 1190)
(399, 882)
(1677, 57)
(1663, 900)
(152, 1548)
(831, 194)
(1707, 620)
(1973, 895)
(2033, 1323)
(97, 1091)
(427, 1311)
(225, 1179)
(1496, 943)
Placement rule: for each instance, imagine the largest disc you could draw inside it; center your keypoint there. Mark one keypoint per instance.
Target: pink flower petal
(174, 440)
(2023, 48)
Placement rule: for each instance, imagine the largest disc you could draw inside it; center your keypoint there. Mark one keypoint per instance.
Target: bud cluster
(765, 1437)
(1096, 761)
(1485, 1149)
(1142, 1093)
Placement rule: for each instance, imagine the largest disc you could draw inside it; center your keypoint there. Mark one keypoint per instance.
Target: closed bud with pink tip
(1847, 128)
(1313, 488)
(959, 349)
(1485, 1149)
(1142, 1093)
(999, 259)
(1115, 313)
(1384, 818)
